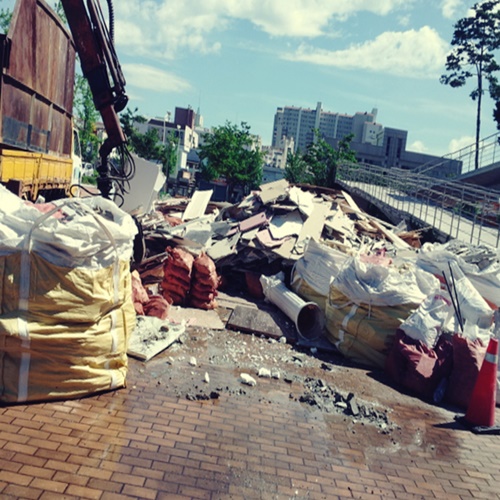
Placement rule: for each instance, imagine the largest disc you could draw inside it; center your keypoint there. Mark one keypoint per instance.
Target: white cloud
(418, 147)
(412, 53)
(304, 17)
(462, 142)
(404, 20)
(149, 78)
(167, 26)
(449, 8)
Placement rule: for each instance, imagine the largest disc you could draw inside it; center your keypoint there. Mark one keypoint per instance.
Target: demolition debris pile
(424, 313)
(387, 301)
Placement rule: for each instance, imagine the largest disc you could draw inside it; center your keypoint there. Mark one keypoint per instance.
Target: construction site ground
(186, 426)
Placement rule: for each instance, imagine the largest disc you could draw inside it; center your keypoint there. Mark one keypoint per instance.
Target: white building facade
(299, 124)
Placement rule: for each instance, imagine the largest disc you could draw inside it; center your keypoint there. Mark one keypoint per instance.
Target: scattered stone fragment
(283, 340)
(354, 407)
(248, 379)
(207, 378)
(308, 398)
(264, 373)
(192, 361)
(275, 374)
(341, 404)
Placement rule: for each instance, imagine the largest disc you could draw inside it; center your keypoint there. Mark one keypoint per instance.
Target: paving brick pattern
(142, 442)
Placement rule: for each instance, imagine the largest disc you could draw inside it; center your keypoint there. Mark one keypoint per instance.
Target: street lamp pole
(178, 146)
(165, 119)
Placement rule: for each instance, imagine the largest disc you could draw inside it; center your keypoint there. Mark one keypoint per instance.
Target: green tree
(475, 39)
(296, 170)
(322, 160)
(87, 116)
(59, 10)
(228, 153)
(127, 120)
(168, 156)
(148, 145)
(5, 17)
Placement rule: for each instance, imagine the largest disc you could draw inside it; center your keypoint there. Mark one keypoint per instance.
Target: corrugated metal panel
(36, 89)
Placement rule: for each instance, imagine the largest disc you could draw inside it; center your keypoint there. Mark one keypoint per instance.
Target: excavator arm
(100, 66)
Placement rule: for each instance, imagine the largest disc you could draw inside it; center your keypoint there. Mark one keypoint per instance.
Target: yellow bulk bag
(64, 328)
(363, 333)
(51, 350)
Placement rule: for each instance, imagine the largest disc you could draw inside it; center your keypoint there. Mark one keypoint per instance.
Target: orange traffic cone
(481, 409)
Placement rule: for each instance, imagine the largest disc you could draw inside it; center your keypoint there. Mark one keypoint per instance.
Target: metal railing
(457, 210)
(488, 154)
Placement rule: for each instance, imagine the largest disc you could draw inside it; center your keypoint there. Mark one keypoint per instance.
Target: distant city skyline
(241, 60)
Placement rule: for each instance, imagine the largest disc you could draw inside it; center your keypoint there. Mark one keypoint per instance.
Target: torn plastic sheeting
(434, 258)
(87, 232)
(313, 273)
(477, 316)
(365, 283)
(307, 316)
(427, 322)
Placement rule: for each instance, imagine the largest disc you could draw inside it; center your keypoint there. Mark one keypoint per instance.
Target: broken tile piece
(253, 221)
(197, 205)
(286, 225)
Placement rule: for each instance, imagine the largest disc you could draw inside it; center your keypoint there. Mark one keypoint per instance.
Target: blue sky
(238, 60)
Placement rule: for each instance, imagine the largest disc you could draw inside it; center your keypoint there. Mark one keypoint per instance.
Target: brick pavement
(144, 442)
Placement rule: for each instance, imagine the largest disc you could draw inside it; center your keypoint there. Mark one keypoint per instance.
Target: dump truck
(39, 146)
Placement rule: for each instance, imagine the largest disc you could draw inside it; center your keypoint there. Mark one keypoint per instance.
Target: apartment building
(299, 124)
(181, 132)
(372, 142)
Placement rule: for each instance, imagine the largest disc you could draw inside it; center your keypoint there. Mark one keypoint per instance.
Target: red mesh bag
(204, 271)
(177, 257)
(200, 304)
(157, 306)
(139, 293)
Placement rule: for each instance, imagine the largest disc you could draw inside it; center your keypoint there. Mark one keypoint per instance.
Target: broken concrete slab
(273, 190)
(152, 336)
(286, 225)
(304, 200)
(251, 320)
(196, 317)
(223, 248)
(313, 226)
